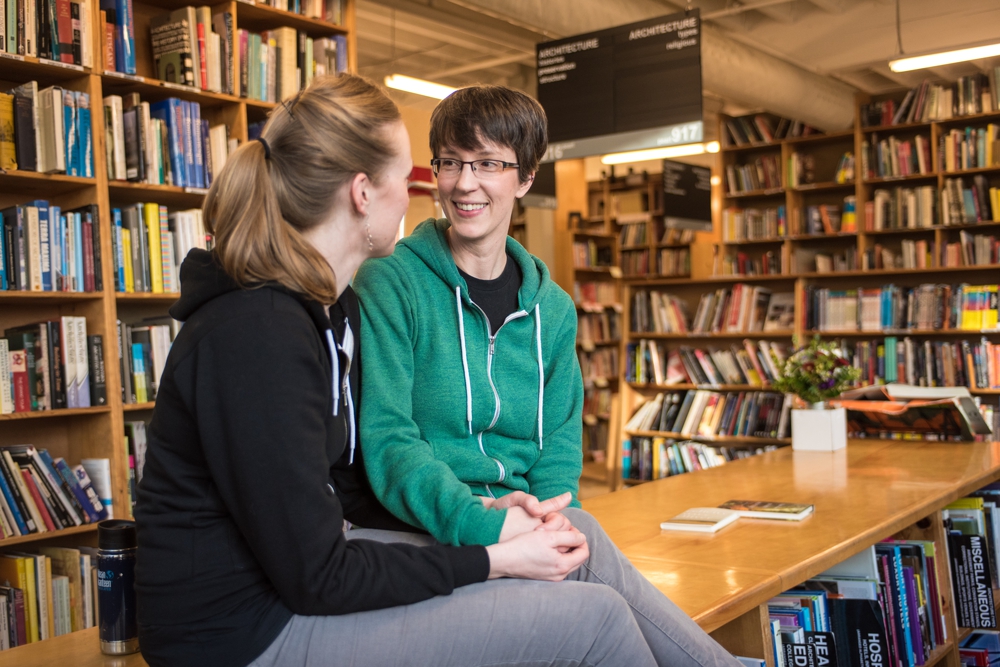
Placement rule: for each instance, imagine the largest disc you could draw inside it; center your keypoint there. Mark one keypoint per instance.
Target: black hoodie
(241, 506)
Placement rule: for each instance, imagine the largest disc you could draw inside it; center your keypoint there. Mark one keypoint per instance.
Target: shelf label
(12, 56)
(56, 63)
(616, 272)
(196, 191)
(179, 86)
(123, 75)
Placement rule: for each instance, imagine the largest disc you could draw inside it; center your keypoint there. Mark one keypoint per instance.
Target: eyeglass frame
(436, 165)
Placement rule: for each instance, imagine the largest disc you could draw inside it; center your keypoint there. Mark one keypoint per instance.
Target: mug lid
(116, 534)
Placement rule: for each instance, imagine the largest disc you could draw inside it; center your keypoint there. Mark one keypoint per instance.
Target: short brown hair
(258, 206)
(497, 114)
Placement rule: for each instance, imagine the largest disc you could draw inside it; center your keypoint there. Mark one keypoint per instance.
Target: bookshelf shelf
(47, 297)
(902, 230)
(974, 170)
(696, 335)
(753, 147)
(652, 282)
(907, 332)
(971, 118)
(167, 195)
(821, 138)
(686, 386)
(35, 537)
(261, 17)
(115, 83)
(596, 269)
(17, 67)
(768, 241)
(582, 233)
(771, 192)
(823, 187)
(672, 245)
(30, 184)
(883, 180)
(147, 297)
(901, 272)
(820, 237)
(598, 343)
(724, 439)
(137, 407)
(895, 128)
(55, 414)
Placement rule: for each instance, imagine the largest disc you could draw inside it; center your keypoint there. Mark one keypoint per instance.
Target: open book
(945, 411)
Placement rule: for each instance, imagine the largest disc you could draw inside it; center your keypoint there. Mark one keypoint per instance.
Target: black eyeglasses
(447, 166)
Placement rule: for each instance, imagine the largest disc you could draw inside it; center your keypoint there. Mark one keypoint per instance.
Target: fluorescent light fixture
(418, 86)
(660, 153)
(944, 58)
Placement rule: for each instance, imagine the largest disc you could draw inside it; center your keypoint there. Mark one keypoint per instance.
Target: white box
(819, 430)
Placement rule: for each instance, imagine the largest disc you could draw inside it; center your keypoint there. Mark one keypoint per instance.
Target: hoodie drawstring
(541, 371)
(335, 371)
(465, 358)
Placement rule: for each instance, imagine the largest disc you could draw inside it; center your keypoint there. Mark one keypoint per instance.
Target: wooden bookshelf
(98, 432)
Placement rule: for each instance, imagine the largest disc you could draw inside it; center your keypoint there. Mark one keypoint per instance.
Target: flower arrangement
(816, 372)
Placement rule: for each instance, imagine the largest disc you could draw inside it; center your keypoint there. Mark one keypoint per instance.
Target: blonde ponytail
(258, 206)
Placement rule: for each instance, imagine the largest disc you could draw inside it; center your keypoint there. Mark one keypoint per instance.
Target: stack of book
(910, 255)
(144, 355)
(969, 95)
(45, 249)
(926, 306)
(971, 250)
(645, 459)
(823, 219)
(758, 129)
(633, 234)
(274, 65)
(674, 236)
(902, 208)
(927, 363)
(674, 262)
(708, 414)
(589, 254)
(47, 594)
(599, 366)
(892, 157)
(598, 294)
(601, 327)
(50, 366)
(753, 364)
(657, 312)
(635, 263)
(149, 245)
(754, 224)
(971, 148)
(764, 173)
(737, 309)
(39, 493)
(53, 30)
(965, 206)
(46, 130)
(163, 143)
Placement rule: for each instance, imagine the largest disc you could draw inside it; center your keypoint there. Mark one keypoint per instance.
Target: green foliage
(816, 372)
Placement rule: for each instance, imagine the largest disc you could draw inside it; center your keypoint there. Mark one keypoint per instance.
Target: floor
(590, 488)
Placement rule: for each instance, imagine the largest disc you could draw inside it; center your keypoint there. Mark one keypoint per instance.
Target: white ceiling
(457, 43)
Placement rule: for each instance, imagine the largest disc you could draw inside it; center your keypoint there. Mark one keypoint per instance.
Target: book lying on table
(701, 520)
(762, 509)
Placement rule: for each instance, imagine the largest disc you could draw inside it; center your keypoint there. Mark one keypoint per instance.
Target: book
(701, 520)
(760, 509)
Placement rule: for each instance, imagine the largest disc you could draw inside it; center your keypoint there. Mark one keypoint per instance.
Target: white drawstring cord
(465, 360)
(541, 371)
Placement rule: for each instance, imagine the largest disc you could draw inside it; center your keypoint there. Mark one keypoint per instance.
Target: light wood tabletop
(863, 494)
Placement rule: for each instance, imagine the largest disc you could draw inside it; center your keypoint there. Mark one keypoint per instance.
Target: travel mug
(116, 586)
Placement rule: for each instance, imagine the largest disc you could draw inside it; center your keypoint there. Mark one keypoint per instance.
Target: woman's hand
(530, 503)
(544, 555)
(518, 521)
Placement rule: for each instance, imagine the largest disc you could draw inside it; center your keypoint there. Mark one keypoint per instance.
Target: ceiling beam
(481, 45)
(484, 64)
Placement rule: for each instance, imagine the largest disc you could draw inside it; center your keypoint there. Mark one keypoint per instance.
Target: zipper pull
(493, 340)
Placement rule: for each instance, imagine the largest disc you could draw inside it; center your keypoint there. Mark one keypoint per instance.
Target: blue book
(84, 140)
(55, 245)
(198, 158)
(341, 53)
(53, 473)
(206, 151)
(119, 250)
(78, 253)
(169, 111)
(124, 37)
(44, 242)
(64, 254)
(69, 132)
(12, 504)
(91, 504)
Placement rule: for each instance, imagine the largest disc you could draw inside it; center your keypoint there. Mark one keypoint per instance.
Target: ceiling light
(660, 153)
(944, 58)
(418, 86)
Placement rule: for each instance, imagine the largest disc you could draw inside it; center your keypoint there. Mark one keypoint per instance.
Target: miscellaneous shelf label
(56, 63)
(196, 191)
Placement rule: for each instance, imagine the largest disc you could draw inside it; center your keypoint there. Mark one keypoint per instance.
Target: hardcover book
(761, 509)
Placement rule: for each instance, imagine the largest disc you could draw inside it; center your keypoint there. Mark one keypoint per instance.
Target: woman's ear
(525, 186)
(360, 193)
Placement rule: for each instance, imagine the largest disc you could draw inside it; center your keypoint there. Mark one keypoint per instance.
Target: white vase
(819, 430)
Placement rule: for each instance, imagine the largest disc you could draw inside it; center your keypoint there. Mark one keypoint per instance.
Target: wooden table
(866, 493)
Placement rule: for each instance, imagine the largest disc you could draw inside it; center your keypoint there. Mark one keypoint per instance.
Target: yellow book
(31, 601)
(995, 203)
(45, 588)
(969, 319)
(14, 569)
(966, 504)
(8, 154)
(127, 249)
(67, 562)
(151, 218)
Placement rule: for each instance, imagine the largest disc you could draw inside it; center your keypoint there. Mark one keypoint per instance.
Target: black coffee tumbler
(116, 586)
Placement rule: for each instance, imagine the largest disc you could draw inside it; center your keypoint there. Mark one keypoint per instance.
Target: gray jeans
(605, 613)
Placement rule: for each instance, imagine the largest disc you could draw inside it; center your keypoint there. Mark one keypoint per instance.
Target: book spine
(83, 363)
(98, 384)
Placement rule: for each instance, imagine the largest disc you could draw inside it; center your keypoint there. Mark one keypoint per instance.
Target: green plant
(816, 372)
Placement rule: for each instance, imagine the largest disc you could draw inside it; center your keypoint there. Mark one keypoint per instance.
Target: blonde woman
(242, 557)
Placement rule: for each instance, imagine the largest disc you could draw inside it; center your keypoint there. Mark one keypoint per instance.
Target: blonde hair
(258, 206)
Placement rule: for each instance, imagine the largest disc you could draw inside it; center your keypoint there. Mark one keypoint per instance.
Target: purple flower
(827, 384)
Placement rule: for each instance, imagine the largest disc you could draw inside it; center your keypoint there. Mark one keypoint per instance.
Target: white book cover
(68, 331)
(694, 414)
(34, 249)
(82, 363)
(6, 386)
(56, 487)
(99, 472)
(88, 603)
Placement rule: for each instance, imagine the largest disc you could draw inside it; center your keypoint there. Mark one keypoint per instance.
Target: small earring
(368, 229)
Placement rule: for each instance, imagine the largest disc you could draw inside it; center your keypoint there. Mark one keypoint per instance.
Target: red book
(22, 625)
(88, 257)
(109, 44)
(64, 24)
(202, 56)
(19, 373)
(29, 481)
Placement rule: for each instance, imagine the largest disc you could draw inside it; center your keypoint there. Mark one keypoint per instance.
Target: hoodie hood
(202, 279)
(429, 242)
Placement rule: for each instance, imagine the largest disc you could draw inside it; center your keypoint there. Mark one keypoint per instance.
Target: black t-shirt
(497, 297)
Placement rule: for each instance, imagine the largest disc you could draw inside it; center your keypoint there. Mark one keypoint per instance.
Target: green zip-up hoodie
(449, 414)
